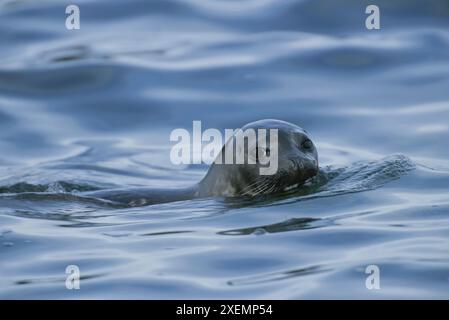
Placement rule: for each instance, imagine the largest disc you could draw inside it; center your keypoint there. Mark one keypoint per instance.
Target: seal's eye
(307, 144)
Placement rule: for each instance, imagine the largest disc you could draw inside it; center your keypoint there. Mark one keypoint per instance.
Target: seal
(297, 161)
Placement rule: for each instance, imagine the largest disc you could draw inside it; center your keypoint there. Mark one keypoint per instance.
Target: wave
(357, 177)
(331, 181)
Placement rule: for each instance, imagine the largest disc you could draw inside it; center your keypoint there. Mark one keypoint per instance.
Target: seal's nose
(305, 166)
(309, 165)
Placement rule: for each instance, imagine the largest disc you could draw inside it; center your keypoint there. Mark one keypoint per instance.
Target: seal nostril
(297, 165)
(293, 163)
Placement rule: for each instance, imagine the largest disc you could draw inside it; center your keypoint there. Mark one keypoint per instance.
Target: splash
(363, 176)
(331, 181)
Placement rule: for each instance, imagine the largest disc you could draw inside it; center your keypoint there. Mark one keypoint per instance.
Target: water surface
(92, 109)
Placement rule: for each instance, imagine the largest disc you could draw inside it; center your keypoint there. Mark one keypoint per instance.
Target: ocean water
(93, 108)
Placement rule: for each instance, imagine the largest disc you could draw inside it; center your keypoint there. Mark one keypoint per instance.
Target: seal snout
(304, 166)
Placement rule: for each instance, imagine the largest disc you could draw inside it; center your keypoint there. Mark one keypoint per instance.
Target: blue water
(92, 109)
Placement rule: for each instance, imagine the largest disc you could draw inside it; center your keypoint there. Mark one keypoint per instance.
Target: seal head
(297, 161)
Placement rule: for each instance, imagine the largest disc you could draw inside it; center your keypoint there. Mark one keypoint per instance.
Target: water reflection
(279, 276)
(293, 224)
(92, 109)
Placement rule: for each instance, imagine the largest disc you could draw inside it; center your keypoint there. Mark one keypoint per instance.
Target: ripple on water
(92, 109)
